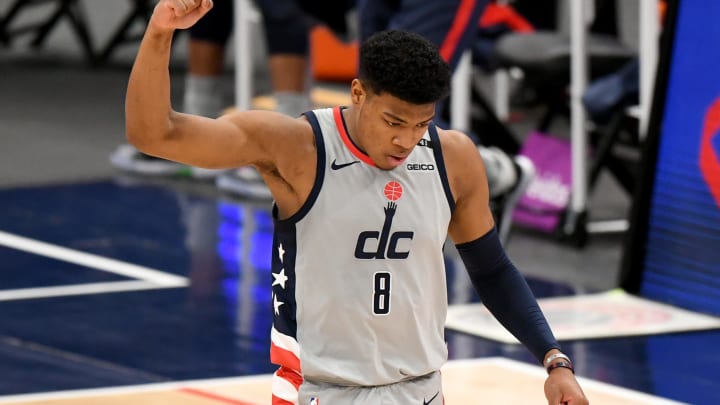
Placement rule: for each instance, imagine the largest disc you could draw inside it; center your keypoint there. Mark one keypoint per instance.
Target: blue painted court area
(210, 317)
(217, 326)
(143, 227)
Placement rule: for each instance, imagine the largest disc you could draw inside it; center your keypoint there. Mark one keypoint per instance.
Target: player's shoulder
(463, 163)
(455, 144)
(271, 126)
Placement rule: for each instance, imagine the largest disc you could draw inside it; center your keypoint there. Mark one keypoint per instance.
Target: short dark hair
(404, 64)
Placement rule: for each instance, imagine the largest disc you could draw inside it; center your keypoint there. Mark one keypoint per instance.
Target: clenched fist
(179, 14)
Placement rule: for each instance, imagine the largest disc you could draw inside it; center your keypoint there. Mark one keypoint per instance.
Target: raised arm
(155, 128)
(501, 287)
(280, 147)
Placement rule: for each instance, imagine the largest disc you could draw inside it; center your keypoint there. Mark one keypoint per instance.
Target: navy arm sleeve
(506, 294)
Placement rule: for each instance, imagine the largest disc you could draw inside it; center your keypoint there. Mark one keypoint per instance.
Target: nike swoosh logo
(431, 399)
(336, 166)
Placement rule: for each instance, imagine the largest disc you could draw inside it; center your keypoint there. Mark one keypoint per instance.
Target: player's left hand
(562, 388)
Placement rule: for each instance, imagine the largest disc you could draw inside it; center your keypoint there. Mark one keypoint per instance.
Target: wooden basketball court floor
(484, 381)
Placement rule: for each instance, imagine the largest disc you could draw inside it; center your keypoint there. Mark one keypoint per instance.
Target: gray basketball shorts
(425, 390)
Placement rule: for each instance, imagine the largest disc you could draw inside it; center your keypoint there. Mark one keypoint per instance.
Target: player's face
(388, 128)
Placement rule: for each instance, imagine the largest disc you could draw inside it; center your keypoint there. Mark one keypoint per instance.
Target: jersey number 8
(381, 293)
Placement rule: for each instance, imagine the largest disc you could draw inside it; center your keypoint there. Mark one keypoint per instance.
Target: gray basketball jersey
(359, 290)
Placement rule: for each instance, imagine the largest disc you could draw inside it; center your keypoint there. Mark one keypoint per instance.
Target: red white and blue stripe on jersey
(284, 347)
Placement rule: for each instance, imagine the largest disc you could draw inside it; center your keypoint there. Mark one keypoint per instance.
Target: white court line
(93, 261)
(459, 364)
(81, 289)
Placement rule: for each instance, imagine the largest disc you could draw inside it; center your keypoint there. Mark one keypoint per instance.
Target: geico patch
(420, 166)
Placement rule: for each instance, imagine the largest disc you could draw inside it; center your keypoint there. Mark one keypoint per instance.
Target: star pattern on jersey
(279, 279)
(276, 304)
(281, 252)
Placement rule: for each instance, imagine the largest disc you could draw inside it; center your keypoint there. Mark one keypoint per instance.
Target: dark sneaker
(503, 205)
(244, 182)
(129, 159)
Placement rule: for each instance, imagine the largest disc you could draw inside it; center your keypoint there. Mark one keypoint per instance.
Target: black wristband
(559, 364)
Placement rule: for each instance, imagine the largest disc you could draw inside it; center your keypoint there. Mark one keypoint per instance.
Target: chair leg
(603, 147)
(498, 133)
(70, 8)
(621, 169)
(76, 15)
(556, 107)
(5, 21)
(141, 11)
(43, 31)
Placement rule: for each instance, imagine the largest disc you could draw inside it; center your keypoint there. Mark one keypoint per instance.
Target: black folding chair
(139, 13)
(70, 9)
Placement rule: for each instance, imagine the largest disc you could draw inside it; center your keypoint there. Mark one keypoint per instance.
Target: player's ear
(357, 91)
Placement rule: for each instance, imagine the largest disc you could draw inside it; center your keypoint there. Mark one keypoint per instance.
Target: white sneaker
(508, 179)
(500, 170)
(525, 170)
(127, 158)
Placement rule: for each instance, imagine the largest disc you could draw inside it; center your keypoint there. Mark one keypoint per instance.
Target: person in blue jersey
(365, 197)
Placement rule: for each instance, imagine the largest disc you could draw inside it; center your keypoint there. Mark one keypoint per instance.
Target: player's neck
(349, 116)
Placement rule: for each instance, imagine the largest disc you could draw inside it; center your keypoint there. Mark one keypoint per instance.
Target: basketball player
(365, 197)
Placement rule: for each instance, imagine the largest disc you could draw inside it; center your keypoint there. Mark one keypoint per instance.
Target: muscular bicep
(472, 217)
(236, 139)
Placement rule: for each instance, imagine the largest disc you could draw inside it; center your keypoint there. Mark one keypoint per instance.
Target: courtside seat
(544, 59)
(547, 54)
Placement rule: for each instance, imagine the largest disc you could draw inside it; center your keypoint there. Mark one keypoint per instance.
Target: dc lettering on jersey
(387, 243)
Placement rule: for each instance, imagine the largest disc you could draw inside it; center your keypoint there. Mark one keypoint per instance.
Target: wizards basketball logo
(709, 158)
(384, 244)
